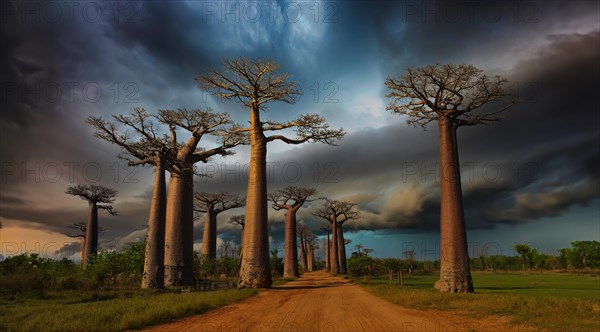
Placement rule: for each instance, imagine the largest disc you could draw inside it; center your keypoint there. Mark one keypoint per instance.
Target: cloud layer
(539, 163)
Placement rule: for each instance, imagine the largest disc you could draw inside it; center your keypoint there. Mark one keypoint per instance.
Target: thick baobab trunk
(255, 270)
(209, 238)
(90, 247)
(455, 274)
(179, 238)
(341, 250)
(327, 254)
(335, 266)
(154, 267)
(290, 251)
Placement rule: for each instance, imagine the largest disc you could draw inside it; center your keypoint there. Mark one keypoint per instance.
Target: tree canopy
(447, 91)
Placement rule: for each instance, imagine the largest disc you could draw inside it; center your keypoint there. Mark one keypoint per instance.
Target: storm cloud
(540, 162)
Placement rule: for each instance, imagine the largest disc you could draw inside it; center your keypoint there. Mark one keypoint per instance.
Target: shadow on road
(312, 282)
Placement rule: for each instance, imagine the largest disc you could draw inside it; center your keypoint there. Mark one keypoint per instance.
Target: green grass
(557, 302)
(110, 311)
(281, 280)
(555, 284)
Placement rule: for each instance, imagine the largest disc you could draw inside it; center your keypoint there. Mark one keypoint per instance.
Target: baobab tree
(449, 94)
(303, 233)
(239, 219)
(255, 84)
(311, 246)
(98, 197)
(179, 239)
(150, 148)
(170, 223)
(80, 230)
(353, 214)
(336, 213)
(291, 199)
(212, 205)
(327, 229)
(225, 246)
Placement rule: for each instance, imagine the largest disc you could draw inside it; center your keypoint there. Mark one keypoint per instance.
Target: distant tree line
(582, 255)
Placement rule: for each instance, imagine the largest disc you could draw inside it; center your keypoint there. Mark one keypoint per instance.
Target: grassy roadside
(281, 280)
(550, 301)
(110, 311)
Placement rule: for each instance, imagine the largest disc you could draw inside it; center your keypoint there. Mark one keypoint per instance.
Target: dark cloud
(547, 148)
(552, 138)
(10, 200)
(423, 32)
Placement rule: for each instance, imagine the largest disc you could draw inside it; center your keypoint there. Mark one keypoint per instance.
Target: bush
(214, 269)
(32, 275)
(276, 266)
(26, 273)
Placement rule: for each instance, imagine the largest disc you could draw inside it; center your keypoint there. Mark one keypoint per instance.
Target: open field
(553, 301)
(109, 310)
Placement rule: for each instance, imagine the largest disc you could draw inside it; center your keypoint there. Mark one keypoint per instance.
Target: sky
(532, 178)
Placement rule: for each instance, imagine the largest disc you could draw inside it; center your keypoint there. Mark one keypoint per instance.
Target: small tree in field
(524, 251)
(449, 94)
(98, 197)
(256, 83)
(410, 256)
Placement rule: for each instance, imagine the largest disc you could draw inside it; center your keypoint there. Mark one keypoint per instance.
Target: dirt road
(319, 302)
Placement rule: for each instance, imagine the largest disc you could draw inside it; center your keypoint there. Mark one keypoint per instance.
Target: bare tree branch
(291, 197)
(450, 91)
(250, 82)
(93, 193)
(239, 219)
(219, 202)
(338, 211)
(307, 127)
(81, 228)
